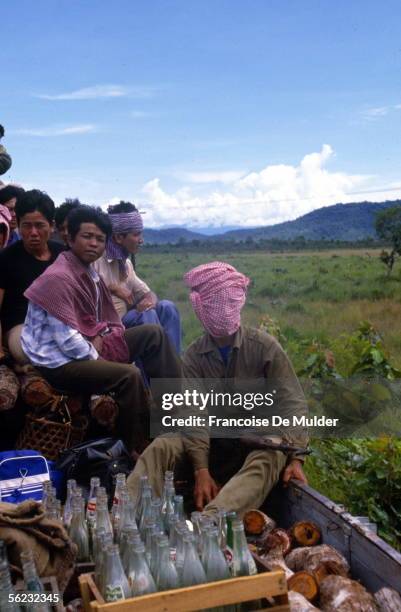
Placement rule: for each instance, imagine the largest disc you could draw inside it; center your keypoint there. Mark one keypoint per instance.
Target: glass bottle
(127, 517)
(146, 510)
(166, 573)
(167, 510)
(33, 584)
(150, 529)
(132, 540)
(3, 555)
(181, 530)
(143, 483)
(156, 506)
(102, 514)
(139, 575)
(222, 528)
(105, 541)
(154, 550)
(116, 506)
(115, 585)
(215, 563)
(78, 531)
(192, 571)
(91, 505)
(243, 563)
(179, 507)
(7, 589)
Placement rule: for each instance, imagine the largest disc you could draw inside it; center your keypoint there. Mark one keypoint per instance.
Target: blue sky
(206, 113)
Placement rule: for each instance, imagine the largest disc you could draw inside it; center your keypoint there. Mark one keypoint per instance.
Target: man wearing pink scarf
(228, 350)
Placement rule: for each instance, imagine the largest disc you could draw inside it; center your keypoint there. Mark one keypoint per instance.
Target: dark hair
(88, 214)
(9, 192)
(122, 207)
(64, 209)
(33, 200)
(1, 131)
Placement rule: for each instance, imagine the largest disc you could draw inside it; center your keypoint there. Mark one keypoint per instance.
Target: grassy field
(312, 295)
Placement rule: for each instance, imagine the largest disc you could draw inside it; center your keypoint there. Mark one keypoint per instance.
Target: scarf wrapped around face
(67, 291)
(218, 293)
(123, 223)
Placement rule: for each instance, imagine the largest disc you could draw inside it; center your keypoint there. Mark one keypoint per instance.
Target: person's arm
(71, 342)
(197, 443)
(137, 286)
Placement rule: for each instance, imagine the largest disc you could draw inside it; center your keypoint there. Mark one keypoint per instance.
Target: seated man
(74, 335)
(60, 218)
(22, 262)
(8, 197)
(134, 301)
(227, 350)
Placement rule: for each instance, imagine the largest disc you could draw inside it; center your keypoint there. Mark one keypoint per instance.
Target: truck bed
(372, 561)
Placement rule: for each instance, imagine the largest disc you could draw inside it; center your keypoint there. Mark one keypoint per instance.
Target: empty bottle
(243, 563)
(167, 510)
(143, 483)
(7, 589)
(166, 573)
(91, 505)
(192, 571)
(78, 531)
(102, 514)
(116, 507)
(215, 563)
(33, 584)
(115, 583)
(139, 575)
(179, 507)
(146, 513)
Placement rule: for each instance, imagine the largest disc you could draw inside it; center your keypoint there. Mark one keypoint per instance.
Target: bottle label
(114, 592)
(91, 508)
(228, 553)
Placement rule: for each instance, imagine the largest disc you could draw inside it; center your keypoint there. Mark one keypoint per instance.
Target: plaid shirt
(49, 343)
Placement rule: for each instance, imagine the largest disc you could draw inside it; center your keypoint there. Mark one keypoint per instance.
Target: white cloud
(57, 130)
(271, 195)
(379, 111)
(140, 114)
(101, 91)
(226, 177)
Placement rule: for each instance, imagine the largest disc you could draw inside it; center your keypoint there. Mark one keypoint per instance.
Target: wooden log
(322, 559)
(339, 594)
(256, 522)
(304, 583)
(388, 600)
(305, 533)
(298, 603)
(276, 537)
(9, 388)
(275, 560)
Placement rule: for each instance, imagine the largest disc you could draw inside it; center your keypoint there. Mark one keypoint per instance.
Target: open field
(320, 295)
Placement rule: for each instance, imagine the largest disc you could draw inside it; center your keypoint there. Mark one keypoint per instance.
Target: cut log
(298, 603)
(104, 409)
(318, 560)
(388, 600)
(273, 539)
(275, 560)
(339, 594)
(296, 559)
(9, 388)
(256, 522)
(36, 391)
(305, 533)
(304, 583)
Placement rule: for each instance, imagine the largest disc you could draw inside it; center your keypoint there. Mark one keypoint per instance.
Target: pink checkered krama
(218, 293)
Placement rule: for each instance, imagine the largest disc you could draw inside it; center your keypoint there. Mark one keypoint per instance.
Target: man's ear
(118, 238)
(69, 241)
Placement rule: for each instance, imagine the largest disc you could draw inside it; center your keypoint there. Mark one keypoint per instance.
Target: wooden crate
(270, 585)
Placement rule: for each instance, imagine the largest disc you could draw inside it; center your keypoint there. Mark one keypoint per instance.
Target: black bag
(104, 458)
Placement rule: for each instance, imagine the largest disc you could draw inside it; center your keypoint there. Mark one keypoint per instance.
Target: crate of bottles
(267, 591)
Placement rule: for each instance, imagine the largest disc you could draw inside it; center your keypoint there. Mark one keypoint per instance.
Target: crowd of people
(73, 307)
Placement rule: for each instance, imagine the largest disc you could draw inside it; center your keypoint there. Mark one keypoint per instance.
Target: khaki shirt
(254, 354)
(109, 270)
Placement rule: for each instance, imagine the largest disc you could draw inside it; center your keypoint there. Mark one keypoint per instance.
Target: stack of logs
(318, 576)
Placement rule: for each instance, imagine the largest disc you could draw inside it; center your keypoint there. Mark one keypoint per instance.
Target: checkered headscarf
(218, 293)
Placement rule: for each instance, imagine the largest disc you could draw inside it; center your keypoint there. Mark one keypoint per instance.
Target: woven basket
(51, 437)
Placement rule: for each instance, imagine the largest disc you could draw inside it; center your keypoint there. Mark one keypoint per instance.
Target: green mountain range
(348, 222)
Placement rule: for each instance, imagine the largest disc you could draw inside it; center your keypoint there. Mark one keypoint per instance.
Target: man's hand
(123, 293)
(294, 471)
(147, 302)
(205, 488)
(98, 343)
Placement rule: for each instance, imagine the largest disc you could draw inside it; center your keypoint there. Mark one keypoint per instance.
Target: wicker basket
(52, 437)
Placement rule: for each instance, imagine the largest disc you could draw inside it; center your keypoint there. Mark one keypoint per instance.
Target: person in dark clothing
(21, 263)
(60, 218)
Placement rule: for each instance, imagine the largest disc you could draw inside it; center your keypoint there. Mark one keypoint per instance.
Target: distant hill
(349, 222)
